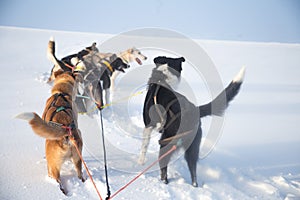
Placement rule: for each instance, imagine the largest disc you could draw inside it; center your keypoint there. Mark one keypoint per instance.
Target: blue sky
(244, 20)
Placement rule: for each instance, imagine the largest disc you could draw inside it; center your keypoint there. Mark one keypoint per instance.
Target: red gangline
(141, 173)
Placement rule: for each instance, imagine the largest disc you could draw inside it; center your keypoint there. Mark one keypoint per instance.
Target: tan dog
(128, 56)
(59, 111)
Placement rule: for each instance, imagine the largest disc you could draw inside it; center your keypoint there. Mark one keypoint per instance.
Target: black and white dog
(175, 117)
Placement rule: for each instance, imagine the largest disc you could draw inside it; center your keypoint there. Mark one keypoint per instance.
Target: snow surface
(257, 156)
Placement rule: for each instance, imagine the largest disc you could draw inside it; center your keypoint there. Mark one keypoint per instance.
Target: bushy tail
(51, 52)
(221, 102)
(42, 128)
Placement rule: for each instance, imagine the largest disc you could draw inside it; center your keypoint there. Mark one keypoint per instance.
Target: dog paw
(165, 181)
(82, 179)
(63, 189)
(195, 184)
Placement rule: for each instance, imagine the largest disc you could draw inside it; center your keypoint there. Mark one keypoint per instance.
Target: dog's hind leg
(191, 156)
(163, 163)
(54, 163)
(54, 172)
(77, 161)
(192, 164)
(78, 166)
(146, 140)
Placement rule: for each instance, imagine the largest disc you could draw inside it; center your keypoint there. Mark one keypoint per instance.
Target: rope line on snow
(109, 104)
(174, 147)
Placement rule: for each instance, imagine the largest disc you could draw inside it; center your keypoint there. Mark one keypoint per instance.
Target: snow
(257, 156)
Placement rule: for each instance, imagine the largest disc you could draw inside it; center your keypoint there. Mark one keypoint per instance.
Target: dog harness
(108, 65)
(60, 108)
(166, 109)
(176, 139)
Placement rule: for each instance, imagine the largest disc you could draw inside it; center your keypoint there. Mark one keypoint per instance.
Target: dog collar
(79, 66)
(108, 65)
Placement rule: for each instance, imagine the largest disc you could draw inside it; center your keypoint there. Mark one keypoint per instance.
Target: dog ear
(131, 50)
(94, 48)
(58, 72)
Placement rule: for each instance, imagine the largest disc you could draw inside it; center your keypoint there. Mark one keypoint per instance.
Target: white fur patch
(25, 116)
(240, 76)
(51, 39)
(74, 61)
(172, 79)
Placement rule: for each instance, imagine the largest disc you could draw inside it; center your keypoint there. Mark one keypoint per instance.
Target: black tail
(221, 102)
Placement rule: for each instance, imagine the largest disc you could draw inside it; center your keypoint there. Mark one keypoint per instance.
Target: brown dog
(60, 112)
